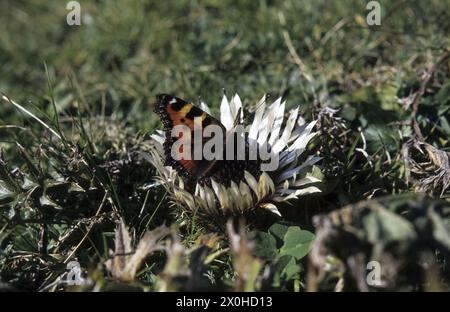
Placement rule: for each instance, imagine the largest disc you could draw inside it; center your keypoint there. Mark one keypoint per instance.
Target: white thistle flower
(290, 180)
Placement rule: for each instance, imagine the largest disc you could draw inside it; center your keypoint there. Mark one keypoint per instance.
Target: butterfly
(174, 111)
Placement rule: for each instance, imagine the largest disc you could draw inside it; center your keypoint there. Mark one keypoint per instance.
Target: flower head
(252, 191)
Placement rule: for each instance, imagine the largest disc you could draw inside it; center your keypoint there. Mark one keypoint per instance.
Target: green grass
(94, 85)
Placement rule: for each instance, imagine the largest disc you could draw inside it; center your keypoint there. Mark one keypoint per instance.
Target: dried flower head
(249, 191)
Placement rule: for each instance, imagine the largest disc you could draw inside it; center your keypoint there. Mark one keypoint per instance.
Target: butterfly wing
(173, 112)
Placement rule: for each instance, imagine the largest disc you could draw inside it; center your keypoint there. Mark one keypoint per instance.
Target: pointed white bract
(288, 138)
(205, 107)
(225, 114)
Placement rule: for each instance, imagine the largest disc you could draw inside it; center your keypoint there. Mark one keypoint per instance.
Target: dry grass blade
(427, 167)
(24, 110)
(126, 261)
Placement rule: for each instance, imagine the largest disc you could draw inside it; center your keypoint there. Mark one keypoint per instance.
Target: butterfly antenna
(246, 119)
(262, 102)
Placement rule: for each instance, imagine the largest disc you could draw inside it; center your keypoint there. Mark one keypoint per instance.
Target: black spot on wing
(178, 105)
(194, 112)
(163, 99)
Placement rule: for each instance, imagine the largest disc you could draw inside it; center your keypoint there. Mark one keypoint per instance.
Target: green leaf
(5, 194)
(297, 242)
(278, 230)
(291, 269)
(46, 201)
(286, 268)
(265, 246)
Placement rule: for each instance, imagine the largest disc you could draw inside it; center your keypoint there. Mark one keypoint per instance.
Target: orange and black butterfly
(173, 112)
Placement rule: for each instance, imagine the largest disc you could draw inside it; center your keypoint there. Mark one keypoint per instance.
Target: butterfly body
(174, 112)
